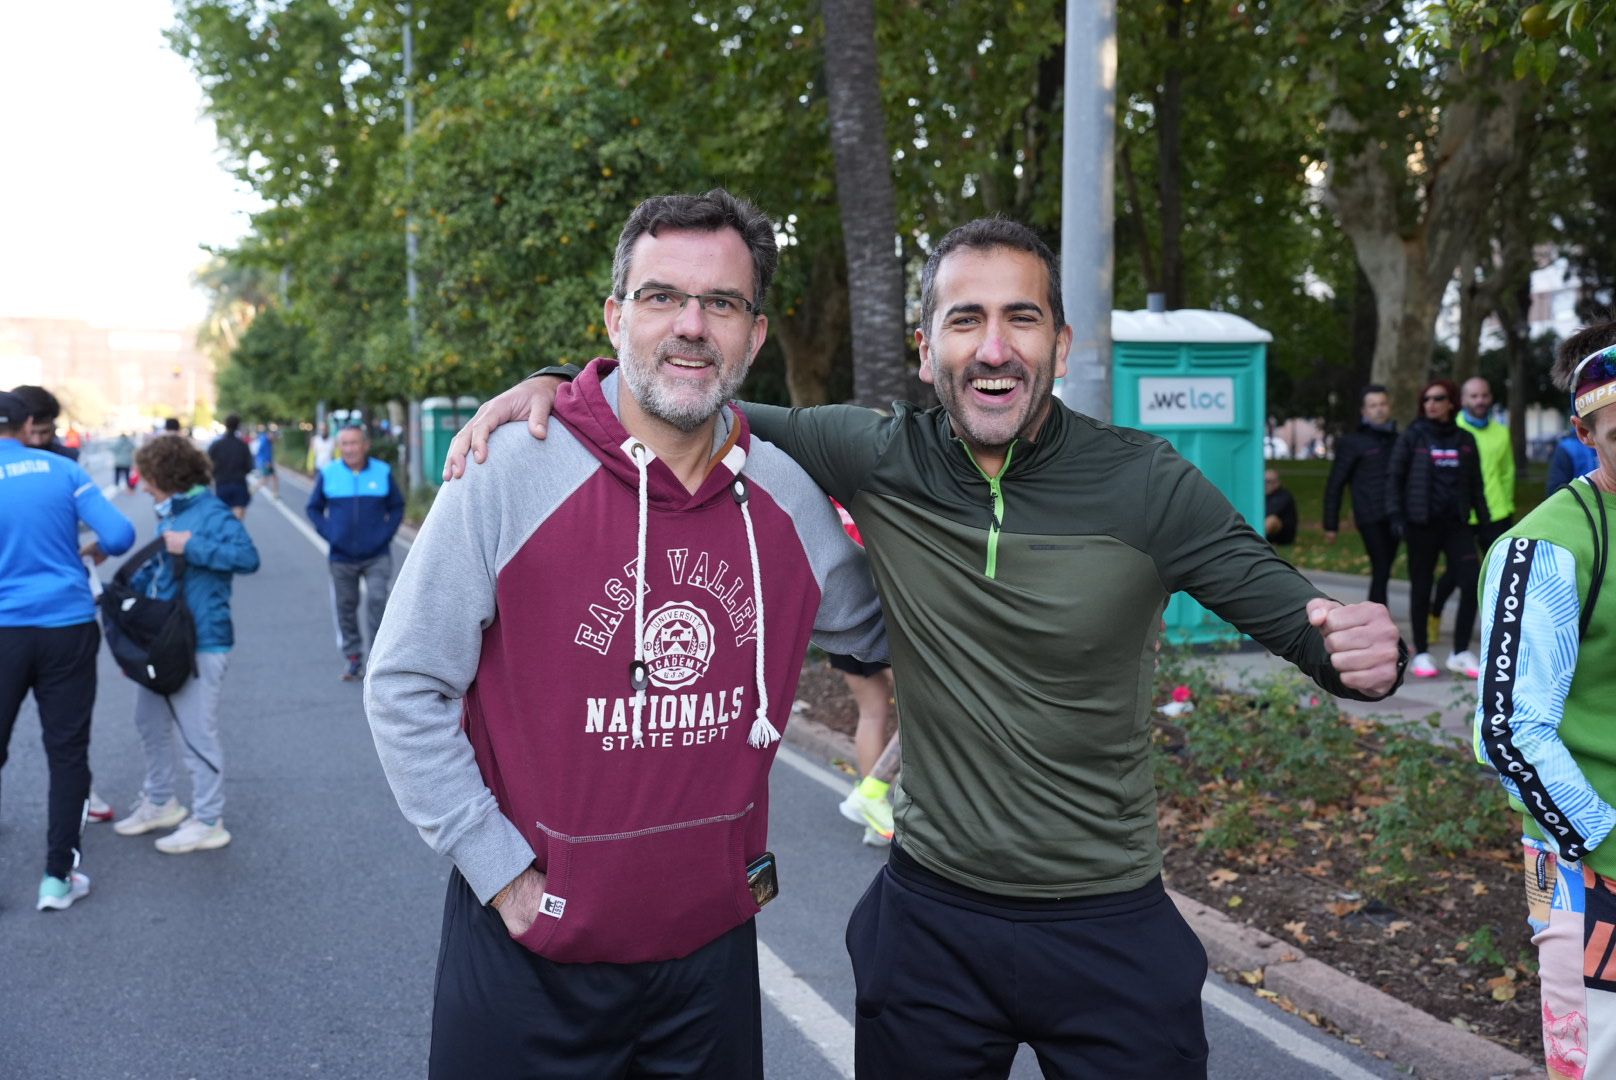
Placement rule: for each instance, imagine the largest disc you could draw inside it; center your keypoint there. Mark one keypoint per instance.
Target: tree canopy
(1326, 168)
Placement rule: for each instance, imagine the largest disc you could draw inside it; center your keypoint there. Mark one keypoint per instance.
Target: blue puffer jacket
(219, 547)
(356, 512)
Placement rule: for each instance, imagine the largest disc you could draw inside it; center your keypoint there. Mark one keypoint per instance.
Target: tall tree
(858, 136)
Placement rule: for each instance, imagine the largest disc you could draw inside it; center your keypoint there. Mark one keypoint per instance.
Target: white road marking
(302, 522)
(298, 522)
(817, 773)
(809, 1013)
(1255, 1017)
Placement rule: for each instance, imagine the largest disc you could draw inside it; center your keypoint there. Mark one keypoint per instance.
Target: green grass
(1306, 479)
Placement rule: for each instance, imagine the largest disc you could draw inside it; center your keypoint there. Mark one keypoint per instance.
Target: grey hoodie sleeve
(429, 646)
(849, 620)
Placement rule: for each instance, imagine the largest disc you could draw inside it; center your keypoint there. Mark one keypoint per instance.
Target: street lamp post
(1086, 201)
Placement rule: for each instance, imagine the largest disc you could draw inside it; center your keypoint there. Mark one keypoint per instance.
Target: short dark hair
(40, 402)
(986, 234)
(231, 423)
(1371, 388)
(171, 424)
(708, 212)
(172, 463)
(1572, 351)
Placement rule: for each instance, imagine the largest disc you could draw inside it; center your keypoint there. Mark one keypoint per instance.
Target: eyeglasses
(670, 301)
(1434, 397)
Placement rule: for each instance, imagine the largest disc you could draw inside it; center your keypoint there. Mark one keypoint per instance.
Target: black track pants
(950, 982)
(58, 665)
(1381, 547)
(1448, 582)
(1425, 543)
(500, 1011)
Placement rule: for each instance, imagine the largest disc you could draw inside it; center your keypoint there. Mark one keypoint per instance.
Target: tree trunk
(864, 193)
(811, 328)
(1474, 304)
(1410, 263)
(1169, 163)
(1136, 219)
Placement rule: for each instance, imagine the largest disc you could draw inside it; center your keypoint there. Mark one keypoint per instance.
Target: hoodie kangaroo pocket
(650, 894)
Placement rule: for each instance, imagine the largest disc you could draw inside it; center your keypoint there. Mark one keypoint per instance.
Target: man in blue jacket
(357, 507)
(48, 634)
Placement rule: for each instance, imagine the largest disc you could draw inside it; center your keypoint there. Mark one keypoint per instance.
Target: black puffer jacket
(1411, 477)
(1360, 462)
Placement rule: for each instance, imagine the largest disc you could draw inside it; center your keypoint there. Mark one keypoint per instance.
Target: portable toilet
(441, 418)
(1199, 380)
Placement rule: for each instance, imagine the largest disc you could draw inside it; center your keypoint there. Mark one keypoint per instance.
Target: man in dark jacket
(1360, 463)
(357, 507)
(232, 464)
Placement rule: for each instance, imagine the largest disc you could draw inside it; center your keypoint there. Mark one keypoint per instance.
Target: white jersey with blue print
(1538, 654)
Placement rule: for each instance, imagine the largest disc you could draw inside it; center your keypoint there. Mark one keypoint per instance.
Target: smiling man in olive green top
(1024, 554)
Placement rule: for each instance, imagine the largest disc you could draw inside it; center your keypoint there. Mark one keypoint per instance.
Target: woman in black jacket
(1360, 463)
(1432, 484)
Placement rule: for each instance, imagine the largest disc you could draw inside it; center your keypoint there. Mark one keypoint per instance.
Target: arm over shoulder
(838, 445)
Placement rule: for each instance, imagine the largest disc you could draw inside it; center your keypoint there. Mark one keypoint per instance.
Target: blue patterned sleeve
(1529, 634)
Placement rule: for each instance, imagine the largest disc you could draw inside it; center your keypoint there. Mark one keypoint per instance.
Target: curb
(1433, 1049)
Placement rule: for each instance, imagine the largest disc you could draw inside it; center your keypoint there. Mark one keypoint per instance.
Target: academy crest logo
(678, 644)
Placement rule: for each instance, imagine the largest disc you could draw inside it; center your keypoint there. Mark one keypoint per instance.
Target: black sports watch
(560, 371)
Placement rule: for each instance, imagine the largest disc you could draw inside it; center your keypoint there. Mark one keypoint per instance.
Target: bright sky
(111, 178)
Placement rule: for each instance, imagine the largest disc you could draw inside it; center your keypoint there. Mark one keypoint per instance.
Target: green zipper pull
(996, 521)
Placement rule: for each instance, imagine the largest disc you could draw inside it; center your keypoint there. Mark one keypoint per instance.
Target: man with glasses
(1025, 554)
(1543, 718)
(591, 747)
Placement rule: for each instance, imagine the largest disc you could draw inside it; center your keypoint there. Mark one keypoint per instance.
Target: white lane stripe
(809, 1013)
(818, 773)
(1255, 1017)
(298, 522)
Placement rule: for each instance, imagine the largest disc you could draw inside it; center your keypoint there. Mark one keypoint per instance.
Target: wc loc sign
(1186, 400)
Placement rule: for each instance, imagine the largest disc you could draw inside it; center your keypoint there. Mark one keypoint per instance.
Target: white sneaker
(148, 816)
(1423, 667)
(98, 810)
(1464, 663)
(194, 835)
(56, 894)
(875, 839)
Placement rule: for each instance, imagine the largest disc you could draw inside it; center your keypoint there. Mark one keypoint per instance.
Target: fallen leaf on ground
(1298, 930)
(1221, 877)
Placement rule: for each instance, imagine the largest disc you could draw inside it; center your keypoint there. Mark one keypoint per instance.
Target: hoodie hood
(588, 406)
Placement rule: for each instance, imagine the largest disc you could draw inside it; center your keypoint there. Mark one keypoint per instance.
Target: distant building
(108, 375)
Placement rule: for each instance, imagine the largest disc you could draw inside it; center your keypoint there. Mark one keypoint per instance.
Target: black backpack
(153, 641)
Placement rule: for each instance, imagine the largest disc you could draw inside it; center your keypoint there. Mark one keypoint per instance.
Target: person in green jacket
(1024, 554)
(1543, 719)
(1497, 485)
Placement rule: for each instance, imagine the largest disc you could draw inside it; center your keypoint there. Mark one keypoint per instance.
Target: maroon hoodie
(526, 574)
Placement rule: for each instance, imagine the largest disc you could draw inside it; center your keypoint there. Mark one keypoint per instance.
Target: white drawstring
(763, 733)
(638, 675)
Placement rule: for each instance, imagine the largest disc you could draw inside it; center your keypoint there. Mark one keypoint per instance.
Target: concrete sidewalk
(1449, 697)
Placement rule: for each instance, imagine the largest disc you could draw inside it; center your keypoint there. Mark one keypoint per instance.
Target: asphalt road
(306, 947)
